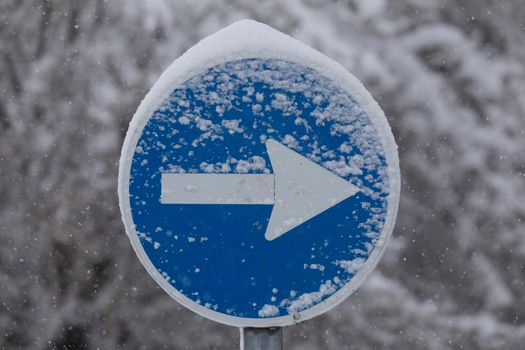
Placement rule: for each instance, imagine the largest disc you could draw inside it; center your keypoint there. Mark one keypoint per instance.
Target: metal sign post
(258, 182)
(261, 338)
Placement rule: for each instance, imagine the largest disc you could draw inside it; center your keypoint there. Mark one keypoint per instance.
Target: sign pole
(261, 338)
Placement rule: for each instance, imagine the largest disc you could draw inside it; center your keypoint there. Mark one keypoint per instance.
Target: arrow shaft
(217, 189)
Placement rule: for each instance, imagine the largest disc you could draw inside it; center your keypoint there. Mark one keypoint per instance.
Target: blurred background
(450, 76)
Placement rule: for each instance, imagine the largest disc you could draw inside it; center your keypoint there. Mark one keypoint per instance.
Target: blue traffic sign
(259, 181)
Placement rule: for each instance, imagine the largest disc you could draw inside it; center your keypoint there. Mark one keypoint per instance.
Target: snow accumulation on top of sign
(251, 39)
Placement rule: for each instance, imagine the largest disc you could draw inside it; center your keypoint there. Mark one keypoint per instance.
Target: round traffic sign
(259, 180)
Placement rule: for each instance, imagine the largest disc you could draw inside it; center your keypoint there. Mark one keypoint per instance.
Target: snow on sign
(259, 180)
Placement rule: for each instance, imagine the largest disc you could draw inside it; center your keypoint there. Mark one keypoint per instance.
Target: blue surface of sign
(258, 189)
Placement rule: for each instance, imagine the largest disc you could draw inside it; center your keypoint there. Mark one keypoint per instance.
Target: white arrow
(299, 189)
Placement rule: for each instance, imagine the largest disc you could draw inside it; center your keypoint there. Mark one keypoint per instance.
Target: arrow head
(303, 189)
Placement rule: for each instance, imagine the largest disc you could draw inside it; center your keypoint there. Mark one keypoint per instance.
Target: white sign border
(243, 40)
